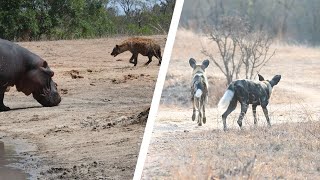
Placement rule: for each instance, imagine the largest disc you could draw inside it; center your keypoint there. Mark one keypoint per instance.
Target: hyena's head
(115, 51)
(274, 81)
(198, 67)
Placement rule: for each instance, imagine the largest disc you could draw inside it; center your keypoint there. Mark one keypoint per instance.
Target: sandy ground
(180, 149)
(95, 132)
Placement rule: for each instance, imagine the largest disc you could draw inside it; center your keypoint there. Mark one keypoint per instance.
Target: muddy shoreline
(21, 161)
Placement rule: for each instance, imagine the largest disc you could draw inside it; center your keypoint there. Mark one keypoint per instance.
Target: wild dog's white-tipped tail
(198, 93)
(225, 100)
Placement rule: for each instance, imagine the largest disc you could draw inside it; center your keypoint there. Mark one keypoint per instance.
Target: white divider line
(158, 89)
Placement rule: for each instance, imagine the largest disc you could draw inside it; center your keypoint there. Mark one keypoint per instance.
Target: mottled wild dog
(144, 46)
(247, 92)
(199, 90)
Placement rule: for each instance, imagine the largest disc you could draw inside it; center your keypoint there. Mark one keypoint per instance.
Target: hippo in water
(28, 72)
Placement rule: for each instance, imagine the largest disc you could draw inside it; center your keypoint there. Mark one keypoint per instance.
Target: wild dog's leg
(194, 110)
(204, 114)
(2, 106)
(200, 115)
(254, 110)
(244, 108)
(150, 59)
(265, 111)
(232, 106)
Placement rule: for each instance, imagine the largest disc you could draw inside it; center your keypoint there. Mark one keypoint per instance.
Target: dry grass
(286, 151)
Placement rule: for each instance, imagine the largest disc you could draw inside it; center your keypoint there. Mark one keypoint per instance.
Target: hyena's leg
(150, 59)
(131, 59)
(159, 56)
(135, 57)
(232, 106)
(244, 108)
(254, 110)
(265, 111)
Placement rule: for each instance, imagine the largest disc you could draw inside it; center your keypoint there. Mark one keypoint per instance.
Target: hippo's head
(115, 51)
(38, 81)
(48, 95)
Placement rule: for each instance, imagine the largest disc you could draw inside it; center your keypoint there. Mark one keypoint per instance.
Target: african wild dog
(199, 90)
(144, 46)
(247, 92)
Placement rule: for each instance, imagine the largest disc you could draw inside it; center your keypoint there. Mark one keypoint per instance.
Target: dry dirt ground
(95, 132)
(180, 149)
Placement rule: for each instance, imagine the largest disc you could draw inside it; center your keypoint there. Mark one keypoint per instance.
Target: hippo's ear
(45, 68)
(205, 64)
(261, 78)
(192, 62)
(45, 64)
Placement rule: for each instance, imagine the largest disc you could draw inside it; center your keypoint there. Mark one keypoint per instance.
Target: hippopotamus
(28, 72)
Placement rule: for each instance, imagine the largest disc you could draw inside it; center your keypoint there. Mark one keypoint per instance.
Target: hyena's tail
(226, 98)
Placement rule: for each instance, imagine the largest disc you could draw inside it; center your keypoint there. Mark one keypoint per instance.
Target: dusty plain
(96, 131)
(180, 149)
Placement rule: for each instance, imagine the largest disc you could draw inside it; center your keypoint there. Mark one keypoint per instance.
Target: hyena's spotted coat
(138, 45)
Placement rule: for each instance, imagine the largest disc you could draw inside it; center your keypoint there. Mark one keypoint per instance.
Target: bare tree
(226, 35)
(254, 51)
(128, 6)
(165, 4)
(237, 47)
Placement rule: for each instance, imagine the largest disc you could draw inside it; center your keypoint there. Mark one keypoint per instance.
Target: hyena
(144, 46)
(199, 90)
(247, 92)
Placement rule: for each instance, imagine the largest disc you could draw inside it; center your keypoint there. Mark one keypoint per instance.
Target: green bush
(24, 20)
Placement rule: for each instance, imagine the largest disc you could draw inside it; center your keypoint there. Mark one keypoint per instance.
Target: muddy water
(8, 157)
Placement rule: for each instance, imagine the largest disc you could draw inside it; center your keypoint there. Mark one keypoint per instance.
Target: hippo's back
(13, 61)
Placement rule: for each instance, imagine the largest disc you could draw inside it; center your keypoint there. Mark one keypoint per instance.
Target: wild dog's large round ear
(205, 64)
(274, 81)
(261, 78)
(192, 62)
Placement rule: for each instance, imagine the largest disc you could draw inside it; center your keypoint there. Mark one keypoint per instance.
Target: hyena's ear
(117, 46)
(205, 64)
(192, 62)
(261, 78)
(274, 81)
